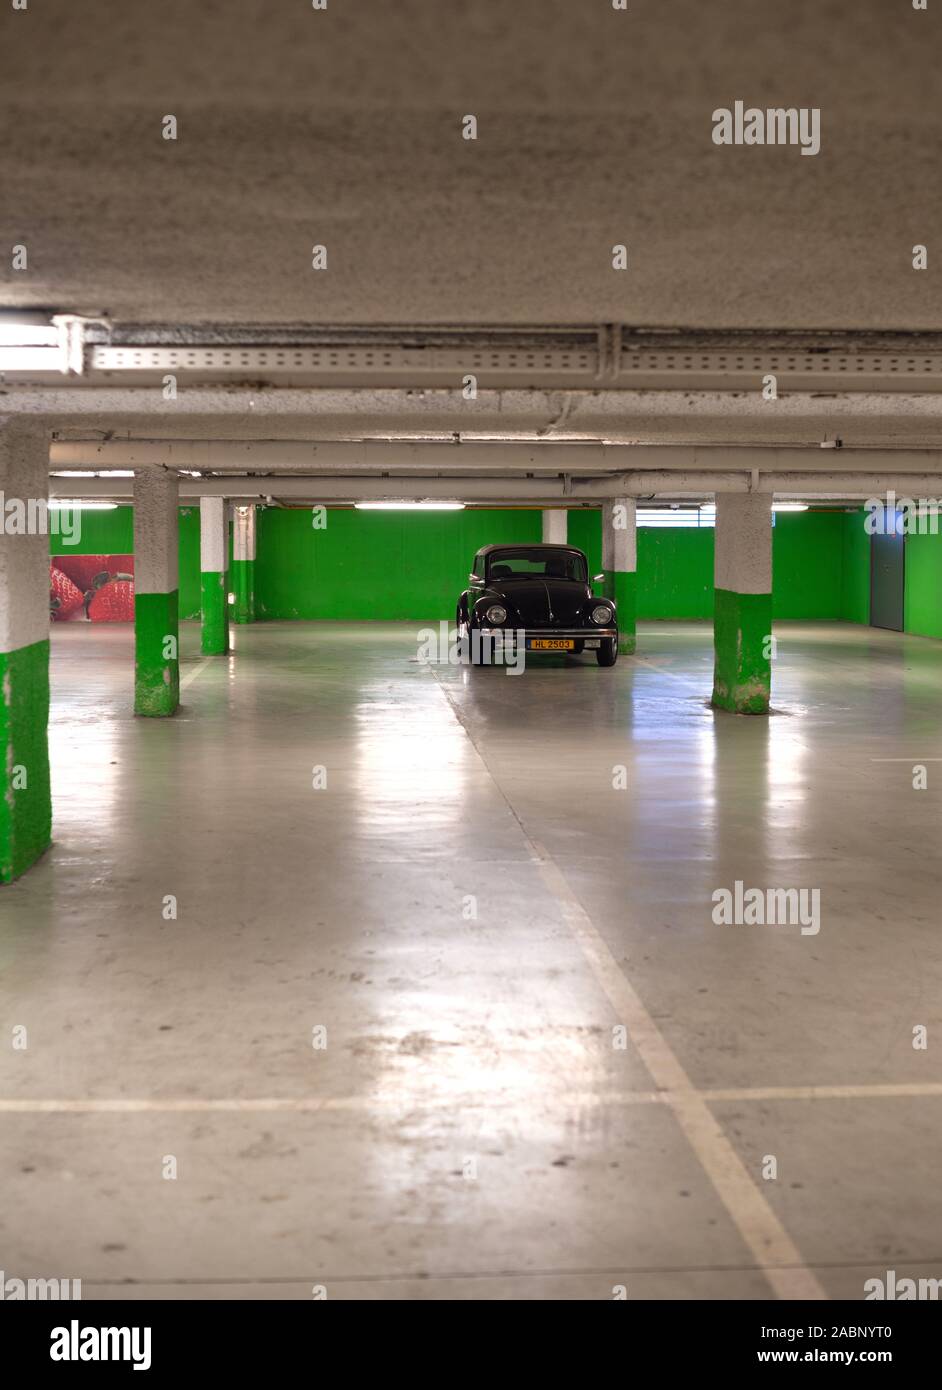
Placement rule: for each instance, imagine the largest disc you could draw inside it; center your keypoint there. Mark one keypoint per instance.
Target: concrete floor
(470, 1131)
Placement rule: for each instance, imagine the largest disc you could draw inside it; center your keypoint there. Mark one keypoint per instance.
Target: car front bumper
(510, 636)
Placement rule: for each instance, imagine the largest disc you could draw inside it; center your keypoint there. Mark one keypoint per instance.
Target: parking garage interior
(333, 968)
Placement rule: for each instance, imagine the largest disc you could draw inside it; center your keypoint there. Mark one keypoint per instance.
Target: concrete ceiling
(342, 127)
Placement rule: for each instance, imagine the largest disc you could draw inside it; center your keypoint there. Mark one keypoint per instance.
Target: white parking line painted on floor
(774, 1250)
(191, 675)
(755, 1220)
(671, 675)
(447, 1100)
(878, 1091)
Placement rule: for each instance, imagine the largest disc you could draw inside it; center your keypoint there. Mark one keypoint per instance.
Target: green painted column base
(624, 592)
(26, 804)
(214, 610)
(157, 663)
(742, 670)
(243, 586)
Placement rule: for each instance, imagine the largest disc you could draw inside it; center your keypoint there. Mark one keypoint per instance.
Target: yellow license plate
(552, 644)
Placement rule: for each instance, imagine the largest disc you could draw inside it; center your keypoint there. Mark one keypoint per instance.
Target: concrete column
(556, 526)
(214, 584)
(620, 565)
(742, 614)
(156, 597)
(25, 803)
(243, 564)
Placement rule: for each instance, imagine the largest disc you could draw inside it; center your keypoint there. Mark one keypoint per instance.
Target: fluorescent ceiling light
(30, 359)
(92, 473)
(789, 506)
(29, 346)
(409, 506)
(27, 334)
(677, 516)
(77, 505)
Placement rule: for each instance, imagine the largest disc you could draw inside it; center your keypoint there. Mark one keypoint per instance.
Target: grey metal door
(887, 572)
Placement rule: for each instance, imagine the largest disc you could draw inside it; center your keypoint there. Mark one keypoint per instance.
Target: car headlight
(496, 615)
(601, 615)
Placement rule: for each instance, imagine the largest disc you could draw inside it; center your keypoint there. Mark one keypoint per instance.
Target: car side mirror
(474, 578)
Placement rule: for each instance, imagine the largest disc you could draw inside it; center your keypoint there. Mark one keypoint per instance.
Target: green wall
(675, 572)
(102, 533)
(819, 569)
(388, 565)
(808, 565)
(190, 583)
(922, 599)
(855, 586)
(585, 531)
(382, 565)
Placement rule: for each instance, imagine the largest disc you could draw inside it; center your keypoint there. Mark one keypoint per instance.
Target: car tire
(607, 651)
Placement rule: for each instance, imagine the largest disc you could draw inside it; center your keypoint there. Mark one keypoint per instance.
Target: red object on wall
(65, 599)
(99, 588)
(82, 569)
(113, 602)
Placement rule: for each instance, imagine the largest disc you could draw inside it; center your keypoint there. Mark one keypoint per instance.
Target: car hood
(540, 602)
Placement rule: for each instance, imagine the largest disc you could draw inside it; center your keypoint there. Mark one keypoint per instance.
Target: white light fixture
(92, 473)
(30, 346)
(13, 334)
(686, 517)
(409, 506)
(789, 506)
(77, 505)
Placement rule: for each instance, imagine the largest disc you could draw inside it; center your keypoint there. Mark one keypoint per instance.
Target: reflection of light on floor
(410, 754)
(787, 778)
(551, 1075)
(704, 768)
(85, 761)
(84, 740)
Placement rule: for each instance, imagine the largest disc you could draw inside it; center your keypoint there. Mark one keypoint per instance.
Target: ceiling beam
(573, 492)
(506, 458)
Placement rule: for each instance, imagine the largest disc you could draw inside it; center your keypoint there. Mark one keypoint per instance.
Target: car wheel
(607, 652)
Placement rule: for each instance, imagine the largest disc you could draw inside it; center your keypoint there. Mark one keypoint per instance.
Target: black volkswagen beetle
(539, 594)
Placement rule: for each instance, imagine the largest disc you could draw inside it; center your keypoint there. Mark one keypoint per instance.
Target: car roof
(528, 545)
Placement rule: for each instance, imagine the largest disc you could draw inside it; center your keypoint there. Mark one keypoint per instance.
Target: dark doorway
(887, 572)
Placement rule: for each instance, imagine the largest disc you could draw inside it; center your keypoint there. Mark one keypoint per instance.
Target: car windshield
(537, 564)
